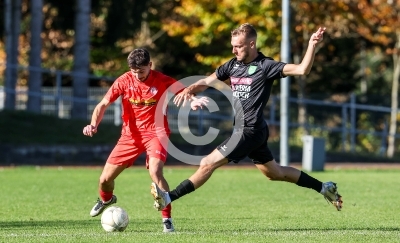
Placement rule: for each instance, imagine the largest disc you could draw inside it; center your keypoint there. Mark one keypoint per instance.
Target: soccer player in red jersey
(141, 90)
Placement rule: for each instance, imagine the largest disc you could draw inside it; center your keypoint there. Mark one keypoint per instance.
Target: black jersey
(251, 85)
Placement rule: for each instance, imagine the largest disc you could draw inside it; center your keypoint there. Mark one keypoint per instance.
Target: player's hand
(318, 36)
(183, 96)
(89, 130)
(198, 102)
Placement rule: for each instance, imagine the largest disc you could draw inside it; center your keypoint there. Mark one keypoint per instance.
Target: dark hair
(138, 58)
(245, 29)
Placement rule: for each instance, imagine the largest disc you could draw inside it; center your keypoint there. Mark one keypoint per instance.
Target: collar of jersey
(258, 58)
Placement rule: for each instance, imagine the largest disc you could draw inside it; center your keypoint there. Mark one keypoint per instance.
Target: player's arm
(195, 88)
(199, 102)
(304, 67)
(97, 116)
(202, 84)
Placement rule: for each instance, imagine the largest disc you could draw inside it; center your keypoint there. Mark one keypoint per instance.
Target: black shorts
(249, 142)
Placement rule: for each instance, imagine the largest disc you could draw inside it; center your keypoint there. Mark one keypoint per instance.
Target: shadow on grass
(258, 229)
(47, 224)
(141, 225)
(66, 224)
(339, 229)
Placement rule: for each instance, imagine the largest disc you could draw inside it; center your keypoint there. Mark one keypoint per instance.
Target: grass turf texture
(236, 205)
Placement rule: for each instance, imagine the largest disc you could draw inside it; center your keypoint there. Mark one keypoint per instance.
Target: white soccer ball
(114, 218)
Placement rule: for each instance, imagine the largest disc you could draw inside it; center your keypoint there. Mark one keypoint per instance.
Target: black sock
(182, 189)
(310, 182)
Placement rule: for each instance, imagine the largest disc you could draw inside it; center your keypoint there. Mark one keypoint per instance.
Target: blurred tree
(205, 26)
(169, 54)
(35, 75)
(124, 19)
(114, 23)
(190, 37)
(81, 58)
(12, 31)
(379, 22)
(334, 63)
(57, 37)
(349, 54)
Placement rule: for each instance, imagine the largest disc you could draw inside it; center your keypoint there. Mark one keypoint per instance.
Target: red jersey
(140, 100)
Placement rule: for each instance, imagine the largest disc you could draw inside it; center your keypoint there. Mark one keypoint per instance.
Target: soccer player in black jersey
(250, 74)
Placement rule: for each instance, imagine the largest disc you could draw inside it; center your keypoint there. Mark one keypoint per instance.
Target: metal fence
(58, 101)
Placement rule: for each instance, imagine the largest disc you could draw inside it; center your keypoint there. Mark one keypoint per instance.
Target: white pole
(285, 57)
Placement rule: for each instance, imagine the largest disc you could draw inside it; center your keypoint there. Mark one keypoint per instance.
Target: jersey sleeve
(116, 90)
(173, 85)
(273, 69)
(222, 71)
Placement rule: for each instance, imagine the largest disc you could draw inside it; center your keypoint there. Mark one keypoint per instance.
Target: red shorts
(128, 150)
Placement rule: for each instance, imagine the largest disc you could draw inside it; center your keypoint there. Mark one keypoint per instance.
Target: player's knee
(274, 175)
(206, 168)
(105, 181)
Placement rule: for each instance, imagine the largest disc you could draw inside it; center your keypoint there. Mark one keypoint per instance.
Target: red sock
(166, 212)
(105, 196)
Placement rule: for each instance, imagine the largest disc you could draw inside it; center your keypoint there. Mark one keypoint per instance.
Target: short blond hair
(245, 29)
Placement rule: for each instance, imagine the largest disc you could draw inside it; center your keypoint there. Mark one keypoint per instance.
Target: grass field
(236, 205)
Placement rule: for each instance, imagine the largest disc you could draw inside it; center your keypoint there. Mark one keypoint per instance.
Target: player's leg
(122, 156)
(155, 166)
(233, 149)
(265, 162)
(276, 172)
(156, 157)
(106, 188)
(207, 166)
(263, 159)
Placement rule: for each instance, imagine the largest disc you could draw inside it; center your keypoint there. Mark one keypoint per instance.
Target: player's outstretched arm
(97, 116)
(195, 88)
(305, 66)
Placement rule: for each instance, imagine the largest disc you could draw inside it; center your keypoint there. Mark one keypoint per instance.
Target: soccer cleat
(161, 198)
(99, 207)
(168, 225)
(329, 190)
